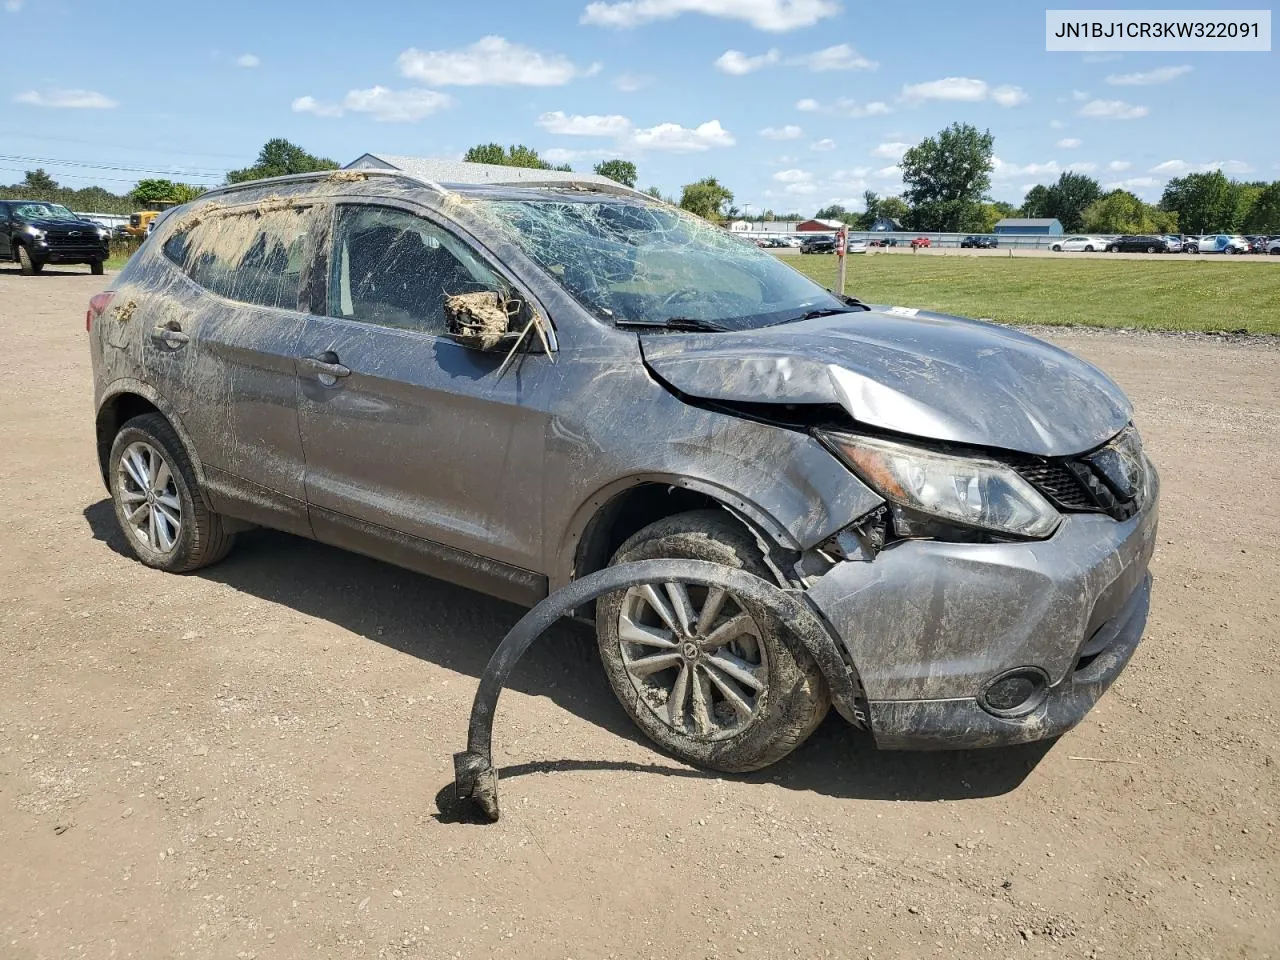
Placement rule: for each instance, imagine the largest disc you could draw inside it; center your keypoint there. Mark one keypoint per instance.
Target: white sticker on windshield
(903, 311)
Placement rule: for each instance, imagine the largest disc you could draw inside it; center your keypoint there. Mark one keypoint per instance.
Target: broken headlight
(972, 492)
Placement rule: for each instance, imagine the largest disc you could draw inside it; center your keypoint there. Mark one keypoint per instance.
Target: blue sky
(790, 103)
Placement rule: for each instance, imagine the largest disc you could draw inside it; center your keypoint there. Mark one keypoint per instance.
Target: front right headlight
(973, 492)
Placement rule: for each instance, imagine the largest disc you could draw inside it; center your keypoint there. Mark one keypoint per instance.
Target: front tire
(1192, 249)
(26, 265)
(1088, 249)
(711, 678)
(157, 502)
(97, 268)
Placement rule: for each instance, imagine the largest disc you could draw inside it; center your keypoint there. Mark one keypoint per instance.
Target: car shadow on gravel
(458, 629)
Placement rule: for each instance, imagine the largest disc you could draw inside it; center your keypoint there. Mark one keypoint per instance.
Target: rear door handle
(170, 336)
(325, 365)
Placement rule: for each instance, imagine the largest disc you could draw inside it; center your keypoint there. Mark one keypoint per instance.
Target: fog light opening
(1015, 693)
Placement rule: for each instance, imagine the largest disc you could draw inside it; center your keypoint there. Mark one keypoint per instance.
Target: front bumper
(927, 625)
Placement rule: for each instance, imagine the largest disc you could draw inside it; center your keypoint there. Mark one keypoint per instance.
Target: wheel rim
(149, 497)
(695, 657)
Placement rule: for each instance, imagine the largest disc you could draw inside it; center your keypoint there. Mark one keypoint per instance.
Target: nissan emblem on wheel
(767, 498)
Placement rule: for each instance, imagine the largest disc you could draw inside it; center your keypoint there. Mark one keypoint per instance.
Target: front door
(419, 450)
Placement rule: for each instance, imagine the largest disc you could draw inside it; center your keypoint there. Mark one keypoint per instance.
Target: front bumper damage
(928, 625)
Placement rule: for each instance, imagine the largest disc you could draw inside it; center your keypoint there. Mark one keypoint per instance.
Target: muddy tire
(26, 266)
(97, 268)
(737, 692)
(157, 503)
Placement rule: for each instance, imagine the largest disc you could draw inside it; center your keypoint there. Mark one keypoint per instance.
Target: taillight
(97, 304)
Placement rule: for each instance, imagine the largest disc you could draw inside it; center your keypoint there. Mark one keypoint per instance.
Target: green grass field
(1179, 294)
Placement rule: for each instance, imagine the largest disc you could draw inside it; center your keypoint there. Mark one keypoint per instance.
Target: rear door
(419, 450)
(222, 343)
(6, 232)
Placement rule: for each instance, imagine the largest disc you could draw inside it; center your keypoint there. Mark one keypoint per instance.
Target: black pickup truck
(36, 232)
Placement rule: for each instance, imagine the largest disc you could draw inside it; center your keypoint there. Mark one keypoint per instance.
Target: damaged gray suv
(513, 385)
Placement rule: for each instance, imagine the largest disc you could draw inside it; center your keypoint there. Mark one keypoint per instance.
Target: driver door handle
(325, 365)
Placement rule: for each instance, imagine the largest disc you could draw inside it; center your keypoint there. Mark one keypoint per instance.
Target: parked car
(1175, 243)
(883, 242)
(1258, 244)
(1216, 243)
(855, 246)
(821, 243)
(919, 242)
(1144, 243)
(1273, 246)
(980, 243)
(35, 233)
(508, 386)
(1079, 244)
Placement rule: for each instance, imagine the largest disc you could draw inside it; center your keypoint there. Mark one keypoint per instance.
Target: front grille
(1057, 481)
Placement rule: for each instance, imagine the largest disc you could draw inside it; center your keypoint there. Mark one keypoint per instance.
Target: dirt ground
(247, 762)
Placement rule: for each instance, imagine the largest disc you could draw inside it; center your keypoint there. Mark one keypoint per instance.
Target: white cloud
(577, 125)
(561, 155)
(12, 6)
(248, 61)
(964, 90)
(1079, 95)
(1082, 167)
(789, 132)
(1133, 183)
(1008, 95)
(793, 176)
(630, 82)
(1112, 110)
(775, 16)
(892, 150)
(1147, 78)
(1177, 168)
(1002, 170)
(490, 61)
(736, 63)
(802, 189)
(678, 139)
(381, 104)
(856, 175)
(891, 172)
(1119, 166)
(1070, 143)
(823, 145)
(840, 57)
(845, 107)
(948, 88)
(66, 99)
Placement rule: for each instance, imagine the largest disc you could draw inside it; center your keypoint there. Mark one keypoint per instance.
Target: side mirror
(485, 320)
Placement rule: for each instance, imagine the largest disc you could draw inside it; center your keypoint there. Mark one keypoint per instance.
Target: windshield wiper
(672, 323)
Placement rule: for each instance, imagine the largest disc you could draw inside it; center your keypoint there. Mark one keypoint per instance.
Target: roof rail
(321, 175)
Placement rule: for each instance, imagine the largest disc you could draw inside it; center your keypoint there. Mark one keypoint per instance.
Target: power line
(121, 146)
(77, 176)
(124, 168)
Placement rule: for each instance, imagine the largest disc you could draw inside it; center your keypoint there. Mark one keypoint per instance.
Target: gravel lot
(246, 762)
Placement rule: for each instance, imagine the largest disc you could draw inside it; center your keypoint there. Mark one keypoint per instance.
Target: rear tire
(27, 266)
(773, 694)
(157, 499)
(97, 268)
(1088, 249)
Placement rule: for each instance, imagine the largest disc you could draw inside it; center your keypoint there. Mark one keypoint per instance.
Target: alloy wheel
(694, 657)
(149, 496)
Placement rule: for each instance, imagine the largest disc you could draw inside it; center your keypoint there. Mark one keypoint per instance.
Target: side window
(250, 256)
(395, 269)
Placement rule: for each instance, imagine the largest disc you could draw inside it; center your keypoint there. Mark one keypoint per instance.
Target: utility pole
(842, 241)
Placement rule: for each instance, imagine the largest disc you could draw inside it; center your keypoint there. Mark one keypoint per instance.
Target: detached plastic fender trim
(474, 775)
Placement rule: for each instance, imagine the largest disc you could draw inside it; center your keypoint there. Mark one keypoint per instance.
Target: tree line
(947, 180)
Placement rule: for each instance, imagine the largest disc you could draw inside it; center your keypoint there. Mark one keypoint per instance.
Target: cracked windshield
(639, 265)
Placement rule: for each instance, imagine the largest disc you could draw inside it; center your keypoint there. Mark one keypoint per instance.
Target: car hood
(61, 226)
(926, 374)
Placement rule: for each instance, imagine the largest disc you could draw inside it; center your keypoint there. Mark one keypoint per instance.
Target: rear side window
(251, 256)
(395, 269)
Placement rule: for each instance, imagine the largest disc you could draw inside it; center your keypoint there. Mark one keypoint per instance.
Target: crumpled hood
(926, 374)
